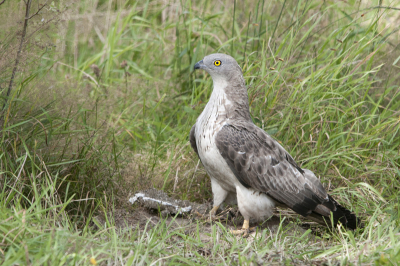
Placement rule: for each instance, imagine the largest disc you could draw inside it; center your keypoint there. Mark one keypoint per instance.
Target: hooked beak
(199, 65)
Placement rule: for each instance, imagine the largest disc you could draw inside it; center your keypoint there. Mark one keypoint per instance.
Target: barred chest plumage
(208, 124)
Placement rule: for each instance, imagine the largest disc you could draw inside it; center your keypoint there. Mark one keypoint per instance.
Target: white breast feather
(214, 116)
(211, 120)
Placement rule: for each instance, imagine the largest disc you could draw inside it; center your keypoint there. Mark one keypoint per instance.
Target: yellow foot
(212, 215)
(242, 232)
(213, 212)
(245, 231)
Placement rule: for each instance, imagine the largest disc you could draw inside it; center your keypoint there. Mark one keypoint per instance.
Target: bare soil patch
(151, 206)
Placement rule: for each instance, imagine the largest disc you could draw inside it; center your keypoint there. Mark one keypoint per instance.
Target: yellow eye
(217, 63)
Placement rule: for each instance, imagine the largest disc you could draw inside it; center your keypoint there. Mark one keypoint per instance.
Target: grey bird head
(220, 67)
(227, 76)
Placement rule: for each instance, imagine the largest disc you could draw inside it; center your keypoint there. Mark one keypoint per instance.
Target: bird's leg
(212, 215)
(245, 229)
(219, 194)
(213, 212)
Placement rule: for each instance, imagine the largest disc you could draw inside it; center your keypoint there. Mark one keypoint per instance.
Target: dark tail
(322, 214)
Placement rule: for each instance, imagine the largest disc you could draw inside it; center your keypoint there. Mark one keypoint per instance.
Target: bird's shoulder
(246, 133)
(258, 159)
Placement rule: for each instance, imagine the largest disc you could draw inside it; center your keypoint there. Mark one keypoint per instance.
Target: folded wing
(260, 162)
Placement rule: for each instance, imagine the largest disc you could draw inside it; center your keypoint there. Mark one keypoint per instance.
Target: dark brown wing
(192, 139)
(260, 162)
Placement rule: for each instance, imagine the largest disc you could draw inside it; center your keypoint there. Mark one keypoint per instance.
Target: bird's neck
(231, 96)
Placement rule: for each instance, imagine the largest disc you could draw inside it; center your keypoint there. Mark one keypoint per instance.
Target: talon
(242, 232)
(211, 216)
(213, 211)
(199, 214)
(245, 231)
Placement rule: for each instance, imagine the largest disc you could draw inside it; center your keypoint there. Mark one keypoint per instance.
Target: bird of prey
(246, 163)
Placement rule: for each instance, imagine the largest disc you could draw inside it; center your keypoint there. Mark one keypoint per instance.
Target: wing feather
(260, 162)
(192, 139)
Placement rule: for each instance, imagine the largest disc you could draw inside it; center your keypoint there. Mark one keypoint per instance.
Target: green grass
(105, 97)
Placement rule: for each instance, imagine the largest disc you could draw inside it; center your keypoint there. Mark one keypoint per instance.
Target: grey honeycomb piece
(159, 200)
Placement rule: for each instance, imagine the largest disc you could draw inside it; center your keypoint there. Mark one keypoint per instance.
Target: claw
(211, 216)
(245, 231)
(213, 213)
(242, 232)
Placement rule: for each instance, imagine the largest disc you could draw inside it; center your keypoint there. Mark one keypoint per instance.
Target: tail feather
(322, 214)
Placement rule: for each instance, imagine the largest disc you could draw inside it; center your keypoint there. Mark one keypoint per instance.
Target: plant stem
(27, 9)
(279, 18)
(233, 24)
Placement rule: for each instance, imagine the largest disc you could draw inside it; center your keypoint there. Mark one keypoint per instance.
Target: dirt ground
(150, 206)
